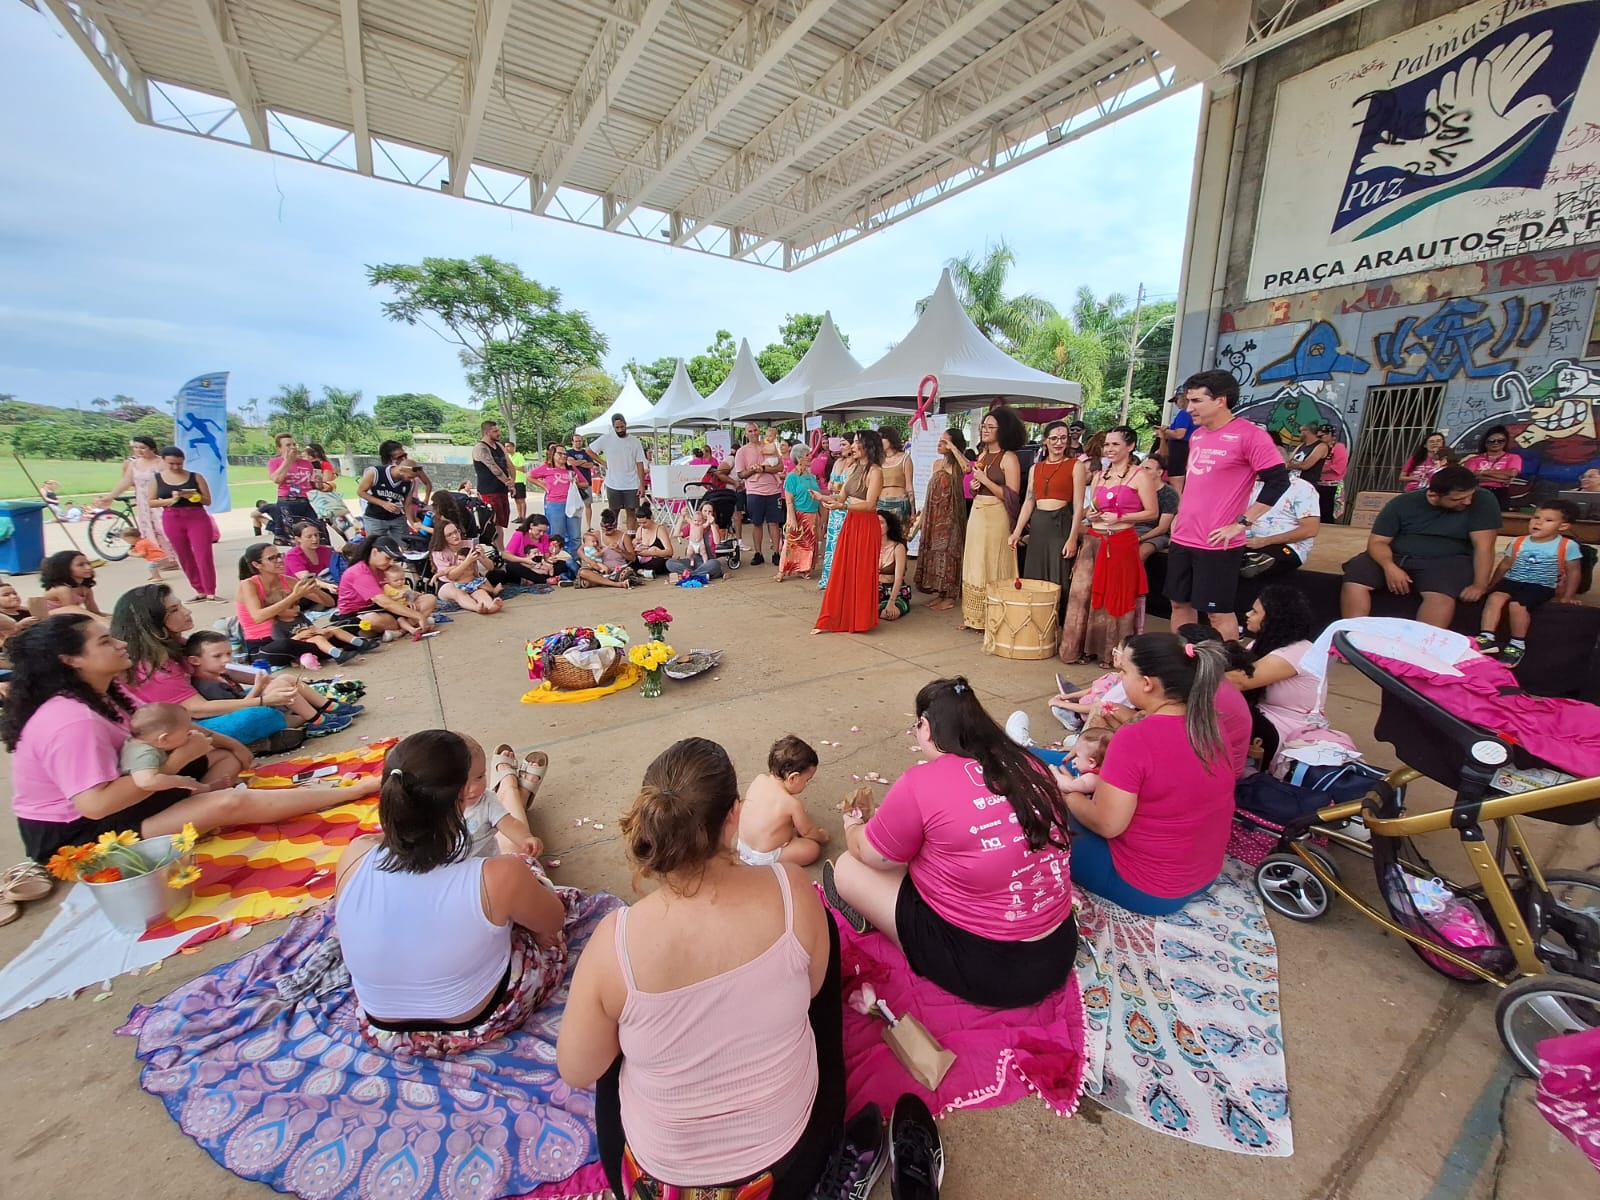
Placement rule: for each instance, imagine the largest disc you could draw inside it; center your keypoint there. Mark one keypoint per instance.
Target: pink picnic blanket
(1569, 1089)
(1001, 1054)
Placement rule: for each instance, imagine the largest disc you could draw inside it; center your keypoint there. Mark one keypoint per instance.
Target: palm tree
(1058, 346)
(292, 410)
(980, 284)
(337, 421)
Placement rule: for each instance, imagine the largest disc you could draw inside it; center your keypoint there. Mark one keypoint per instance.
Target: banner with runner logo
(1472, 137)
(202, 425)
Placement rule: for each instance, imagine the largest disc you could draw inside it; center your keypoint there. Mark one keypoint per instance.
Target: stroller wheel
(1291, 888)
(733, 560)
(1544, 1006)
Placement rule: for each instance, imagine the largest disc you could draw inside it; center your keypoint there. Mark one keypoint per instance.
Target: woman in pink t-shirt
(1152, 835)
(1495, 465)
(65, 722)
(964, 866)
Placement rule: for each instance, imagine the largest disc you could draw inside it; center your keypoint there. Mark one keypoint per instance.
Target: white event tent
(971, 369)
(744, 382)
(633, 404)
(827, 363)
(681, 406)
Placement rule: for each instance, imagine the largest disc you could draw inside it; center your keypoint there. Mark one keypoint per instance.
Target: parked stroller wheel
(1289, 887)
(1574, 928)
(1544, 1006)
(733, 560)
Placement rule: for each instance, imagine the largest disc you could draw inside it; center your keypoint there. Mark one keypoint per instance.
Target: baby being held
(156, 732)
(773, 823)
(1081, 772)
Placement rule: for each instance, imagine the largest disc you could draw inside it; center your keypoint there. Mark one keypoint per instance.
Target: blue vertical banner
(202, 422)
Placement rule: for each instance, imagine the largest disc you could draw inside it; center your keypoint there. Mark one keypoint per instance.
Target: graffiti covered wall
(1512, 355)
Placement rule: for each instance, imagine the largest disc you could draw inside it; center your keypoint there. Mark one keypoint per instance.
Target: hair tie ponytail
(1188, 649)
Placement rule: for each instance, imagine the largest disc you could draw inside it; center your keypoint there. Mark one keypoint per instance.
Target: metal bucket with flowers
(135, 882)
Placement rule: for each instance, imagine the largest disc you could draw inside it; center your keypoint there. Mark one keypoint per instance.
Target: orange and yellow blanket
(255, 873)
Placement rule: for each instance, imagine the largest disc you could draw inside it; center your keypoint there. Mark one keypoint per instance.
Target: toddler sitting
(156, 731)
(490, 826)
(773, 823)
(413, 621)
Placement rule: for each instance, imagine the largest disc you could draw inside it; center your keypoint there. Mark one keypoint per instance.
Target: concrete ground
(1398, 1081)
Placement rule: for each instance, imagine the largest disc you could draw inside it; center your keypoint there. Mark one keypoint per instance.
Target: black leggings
(796, 1173)
(280, 650)
(514, 572)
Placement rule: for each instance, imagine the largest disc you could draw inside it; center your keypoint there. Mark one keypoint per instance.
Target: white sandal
(534, 764)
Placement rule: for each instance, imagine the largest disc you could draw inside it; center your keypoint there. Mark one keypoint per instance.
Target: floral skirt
(800, 549)
(902, 598)
(835, 523)
(535, 972)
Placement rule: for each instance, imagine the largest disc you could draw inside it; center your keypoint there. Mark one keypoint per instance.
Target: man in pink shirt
(1226, 457)
(763, 488)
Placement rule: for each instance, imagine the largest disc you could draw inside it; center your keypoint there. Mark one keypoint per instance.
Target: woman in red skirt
(850, 605)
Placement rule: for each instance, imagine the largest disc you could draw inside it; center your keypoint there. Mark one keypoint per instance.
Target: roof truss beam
(1054, 45)
(216, 26)
(1198, 37)
(761, 40)
(622, 40)
(100, 44)
(483, 57)
(885, 58)
(355, 72)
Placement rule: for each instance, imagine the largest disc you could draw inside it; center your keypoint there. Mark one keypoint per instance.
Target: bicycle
(114, 529)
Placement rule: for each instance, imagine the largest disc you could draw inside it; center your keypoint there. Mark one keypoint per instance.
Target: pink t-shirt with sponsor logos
(968, 856)
(1223, 464)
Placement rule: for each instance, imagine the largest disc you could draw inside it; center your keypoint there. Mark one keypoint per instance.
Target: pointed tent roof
(827, 363)
(633, 404)
(681, 405)
(971, 369)
(743, 382)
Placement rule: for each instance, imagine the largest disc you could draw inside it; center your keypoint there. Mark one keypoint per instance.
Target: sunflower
(183, 841)
(183, 877)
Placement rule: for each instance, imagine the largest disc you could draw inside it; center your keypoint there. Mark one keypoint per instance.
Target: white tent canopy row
(972, 372)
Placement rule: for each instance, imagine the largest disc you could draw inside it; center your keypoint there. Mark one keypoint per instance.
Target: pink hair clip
(1188, 648)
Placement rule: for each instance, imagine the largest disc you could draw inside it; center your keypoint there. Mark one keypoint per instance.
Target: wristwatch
(1244, 519)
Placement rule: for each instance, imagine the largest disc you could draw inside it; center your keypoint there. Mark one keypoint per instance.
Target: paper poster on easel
(720, 443)
(924, 451)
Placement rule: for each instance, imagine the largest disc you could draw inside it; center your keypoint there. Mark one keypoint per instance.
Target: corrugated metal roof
(802, 124)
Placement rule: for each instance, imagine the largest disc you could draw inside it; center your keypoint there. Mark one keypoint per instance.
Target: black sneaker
(916, 1156)
(830, 892)
(758, 559)
(1512, 654)
(858, 1161)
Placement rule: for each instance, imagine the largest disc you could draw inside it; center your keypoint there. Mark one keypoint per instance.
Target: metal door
(1394, 422)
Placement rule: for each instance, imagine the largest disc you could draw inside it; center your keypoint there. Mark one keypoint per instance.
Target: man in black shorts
(493, 471)
(1227, 455)
(1438, 542)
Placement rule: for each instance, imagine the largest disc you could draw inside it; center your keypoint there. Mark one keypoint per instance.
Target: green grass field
(81, 480)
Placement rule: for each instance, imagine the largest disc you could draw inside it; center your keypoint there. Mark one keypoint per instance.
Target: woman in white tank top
(707, 1017)
(446, 951)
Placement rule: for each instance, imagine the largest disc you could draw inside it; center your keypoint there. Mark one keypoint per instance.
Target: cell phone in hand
(1061, 685)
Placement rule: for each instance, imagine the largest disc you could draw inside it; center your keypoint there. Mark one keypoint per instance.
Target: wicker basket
(568, 677)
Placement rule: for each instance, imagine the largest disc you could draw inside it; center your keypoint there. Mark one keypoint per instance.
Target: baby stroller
(722, 501)
(1533, 933)
(283, 515)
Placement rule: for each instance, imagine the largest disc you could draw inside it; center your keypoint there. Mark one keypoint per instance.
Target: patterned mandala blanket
(263, 1064)
(1184, 1033)
(1002, 1055)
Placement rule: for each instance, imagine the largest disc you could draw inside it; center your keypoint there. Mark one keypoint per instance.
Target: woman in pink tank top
(707, 1017)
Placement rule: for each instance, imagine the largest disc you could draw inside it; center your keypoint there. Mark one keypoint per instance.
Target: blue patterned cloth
(835, 523)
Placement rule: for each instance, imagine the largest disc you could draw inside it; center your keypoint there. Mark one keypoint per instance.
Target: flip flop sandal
(534, 764)
(25, 882)
(9, 912)
(502, 767)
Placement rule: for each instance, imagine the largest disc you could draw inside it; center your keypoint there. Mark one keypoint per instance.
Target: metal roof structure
(770, 131)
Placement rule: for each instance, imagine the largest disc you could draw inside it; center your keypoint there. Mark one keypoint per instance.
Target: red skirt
(1119, 578)
(850, 605)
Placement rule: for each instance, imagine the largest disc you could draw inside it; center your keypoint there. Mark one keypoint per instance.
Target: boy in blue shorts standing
(1541, 566)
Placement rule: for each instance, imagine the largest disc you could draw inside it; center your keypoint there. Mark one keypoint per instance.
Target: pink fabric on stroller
(1564, 733)
(1569, 1088)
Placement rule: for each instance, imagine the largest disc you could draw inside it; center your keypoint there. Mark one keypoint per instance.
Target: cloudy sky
(133, 258)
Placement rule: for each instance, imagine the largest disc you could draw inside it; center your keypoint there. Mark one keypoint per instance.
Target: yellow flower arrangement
(651, 656)
(112, 857)
(126, 838)
(183, 877)
(184, 840)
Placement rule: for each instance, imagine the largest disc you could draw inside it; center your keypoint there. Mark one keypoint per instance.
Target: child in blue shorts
(1541, 566)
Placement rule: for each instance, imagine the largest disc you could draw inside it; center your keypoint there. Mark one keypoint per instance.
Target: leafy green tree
(980, 285)
(1059, 347)
(337, 420)
(708, 370)
(292, 410)
(653, 378)
(410, 411)
(518, 344)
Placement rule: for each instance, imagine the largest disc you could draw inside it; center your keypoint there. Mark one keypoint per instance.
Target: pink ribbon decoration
(920, 417)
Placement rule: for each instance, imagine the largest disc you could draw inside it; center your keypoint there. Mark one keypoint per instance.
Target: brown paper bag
(917, 1051)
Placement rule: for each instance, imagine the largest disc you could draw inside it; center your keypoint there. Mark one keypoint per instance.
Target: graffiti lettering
(1579, 201)
(1355, 73)
(1447, 342)
(1530, 270)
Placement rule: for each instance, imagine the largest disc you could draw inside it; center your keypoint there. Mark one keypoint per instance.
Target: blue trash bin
(23, 551)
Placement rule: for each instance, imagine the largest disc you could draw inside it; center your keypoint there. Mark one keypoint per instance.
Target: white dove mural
(1474, 118)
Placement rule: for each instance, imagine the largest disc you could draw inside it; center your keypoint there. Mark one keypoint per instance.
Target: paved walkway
(1398, 1082)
